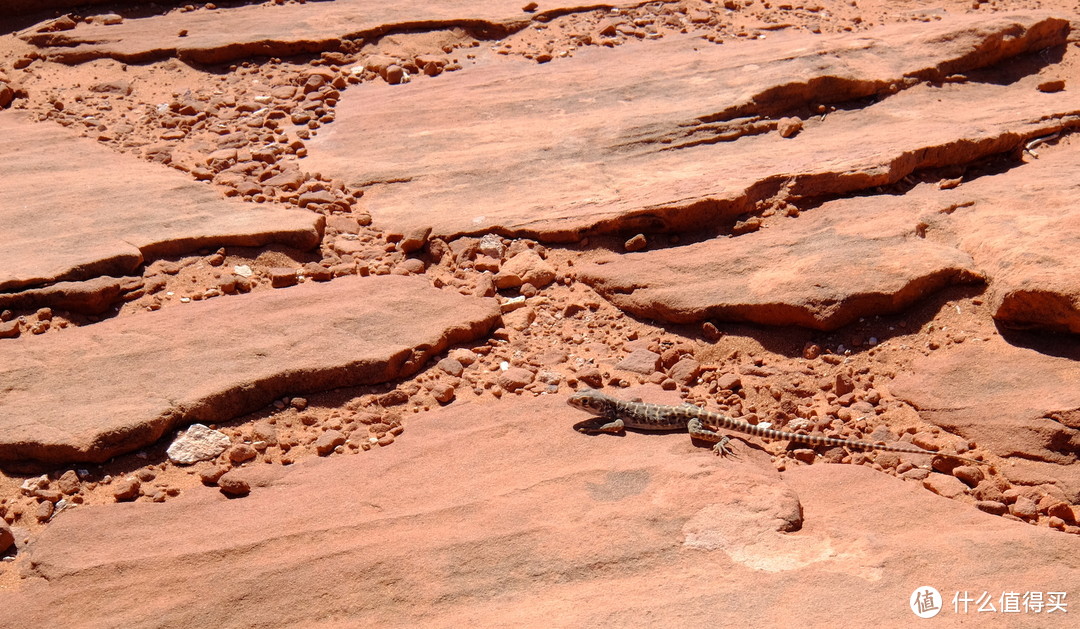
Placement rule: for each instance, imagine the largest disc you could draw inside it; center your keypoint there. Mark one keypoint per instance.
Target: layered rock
(94, 392)
(73, 210)
(1022, 227)
(535, 525)
(279, 31)
(677, 134)
(844, 260)
(1017, 402)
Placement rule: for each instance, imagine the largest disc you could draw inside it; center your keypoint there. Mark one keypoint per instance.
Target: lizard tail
(814, 440)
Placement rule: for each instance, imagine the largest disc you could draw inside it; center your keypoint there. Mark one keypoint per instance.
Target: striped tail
(725, 422)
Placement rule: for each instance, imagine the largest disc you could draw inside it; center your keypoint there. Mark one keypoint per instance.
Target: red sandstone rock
(824, 269)
(480, 477)
(640, 361)
(329, 440)
(443, 393)
(67, 219)
(685, 371)
(232, 484)
(126, 489)
(7, 538)
(515, 378)
(526, 267)
(1022, 228)
(222, 36)
(562, 153)
(226, 357)
(241, 452)
(1012, 401)
(240, 560)
(93, 296)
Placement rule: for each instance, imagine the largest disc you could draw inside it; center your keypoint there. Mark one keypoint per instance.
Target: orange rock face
(525, 509)
(222, 362)
(73, 210)
(293, 295)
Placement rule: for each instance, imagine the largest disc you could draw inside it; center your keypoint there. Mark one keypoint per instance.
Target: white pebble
(512, 304)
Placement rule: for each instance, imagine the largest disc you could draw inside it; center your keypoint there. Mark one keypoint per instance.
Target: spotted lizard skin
(616, 415)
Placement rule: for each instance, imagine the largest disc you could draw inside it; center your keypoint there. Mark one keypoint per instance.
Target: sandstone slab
(1014, 401)
(279, 31)
(93, 392)
(870, 255)
(677, 134)
(1022, 227)
(92, 296)
(503, 515)
(843, 260)
(74, 210)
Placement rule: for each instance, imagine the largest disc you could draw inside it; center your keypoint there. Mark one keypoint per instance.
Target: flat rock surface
(1015, 401)
(878, 254)
(421, 535)
(675, 134)
(216, 37)
(74, 210)
(844, 260)
(93, 296)
(62, 399)
(1017, 230)
(1022, 228)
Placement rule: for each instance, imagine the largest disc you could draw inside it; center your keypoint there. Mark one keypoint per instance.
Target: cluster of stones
(40, 498)
(613, 27)
(350, 247)
(223, 457)
(246, 141)
(38, 323)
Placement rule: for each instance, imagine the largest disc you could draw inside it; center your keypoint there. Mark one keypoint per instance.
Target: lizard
(616, 415)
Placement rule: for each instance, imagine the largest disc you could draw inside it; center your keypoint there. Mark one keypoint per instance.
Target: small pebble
(44, 511)
(515, 378)
(788, 127)
(126, 489)
(443, 393)
(637, 243)
(328, 442)
(1052, 86)
(232, 484)
(242, 452)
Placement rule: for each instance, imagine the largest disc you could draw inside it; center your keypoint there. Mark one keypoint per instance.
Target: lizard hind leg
(698, 430)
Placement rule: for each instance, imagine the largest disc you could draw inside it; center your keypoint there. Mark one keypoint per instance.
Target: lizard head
(591, 401)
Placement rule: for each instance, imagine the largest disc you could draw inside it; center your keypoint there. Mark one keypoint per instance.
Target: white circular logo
(925, 602)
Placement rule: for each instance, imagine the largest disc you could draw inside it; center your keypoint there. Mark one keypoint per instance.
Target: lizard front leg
(698, 430)
(594, 426)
